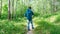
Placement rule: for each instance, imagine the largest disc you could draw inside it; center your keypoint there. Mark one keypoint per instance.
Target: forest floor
(19, 26)
(50, 19)
(30, 32)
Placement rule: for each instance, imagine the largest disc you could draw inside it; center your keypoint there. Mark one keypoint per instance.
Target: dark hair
(29, 7)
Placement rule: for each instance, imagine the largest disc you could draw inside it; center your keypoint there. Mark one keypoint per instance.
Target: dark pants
(30, 21)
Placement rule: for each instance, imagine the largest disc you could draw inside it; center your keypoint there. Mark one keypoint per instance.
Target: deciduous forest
(46, 17)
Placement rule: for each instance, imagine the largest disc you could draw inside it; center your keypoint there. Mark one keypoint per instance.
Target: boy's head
(29, 7)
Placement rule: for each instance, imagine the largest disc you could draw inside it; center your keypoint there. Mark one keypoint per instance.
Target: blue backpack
(29, 14)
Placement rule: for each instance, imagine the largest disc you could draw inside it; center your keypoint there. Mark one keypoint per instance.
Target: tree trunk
(43, 8)
(9, 10)
(1, 9)
(15, 8)
(13, 13)
(54, 5)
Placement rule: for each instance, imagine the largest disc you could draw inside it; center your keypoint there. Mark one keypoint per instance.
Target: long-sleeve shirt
(29, 14)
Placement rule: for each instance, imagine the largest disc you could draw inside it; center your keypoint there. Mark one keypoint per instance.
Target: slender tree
(9, 10)
(1, 9)
(15, 8)
(43, 8)
(13, 13)
(55, 5)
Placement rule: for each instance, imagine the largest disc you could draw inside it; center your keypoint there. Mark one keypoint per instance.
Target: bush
(57, 19)
(7, 27)
(45, 27)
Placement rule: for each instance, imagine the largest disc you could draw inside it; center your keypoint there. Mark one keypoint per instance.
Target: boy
(29, 15)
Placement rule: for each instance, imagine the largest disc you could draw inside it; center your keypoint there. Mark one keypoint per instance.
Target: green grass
(57, 19)
(18, 26)
(10, 27)
(45, 27)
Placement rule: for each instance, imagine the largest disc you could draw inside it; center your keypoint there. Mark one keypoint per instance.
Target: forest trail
(30, 32)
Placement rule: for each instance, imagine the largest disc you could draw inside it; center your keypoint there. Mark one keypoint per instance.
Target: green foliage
(36, 14)
(5, 7)
(57, 19)
(42, 9)
(7, 27)
(55, 29)
(47, 15)
(4, 12)
(45, 27)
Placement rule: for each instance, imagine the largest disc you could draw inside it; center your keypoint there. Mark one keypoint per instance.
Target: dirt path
(30, 32)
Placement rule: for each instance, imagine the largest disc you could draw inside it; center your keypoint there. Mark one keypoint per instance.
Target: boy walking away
(29, 15)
